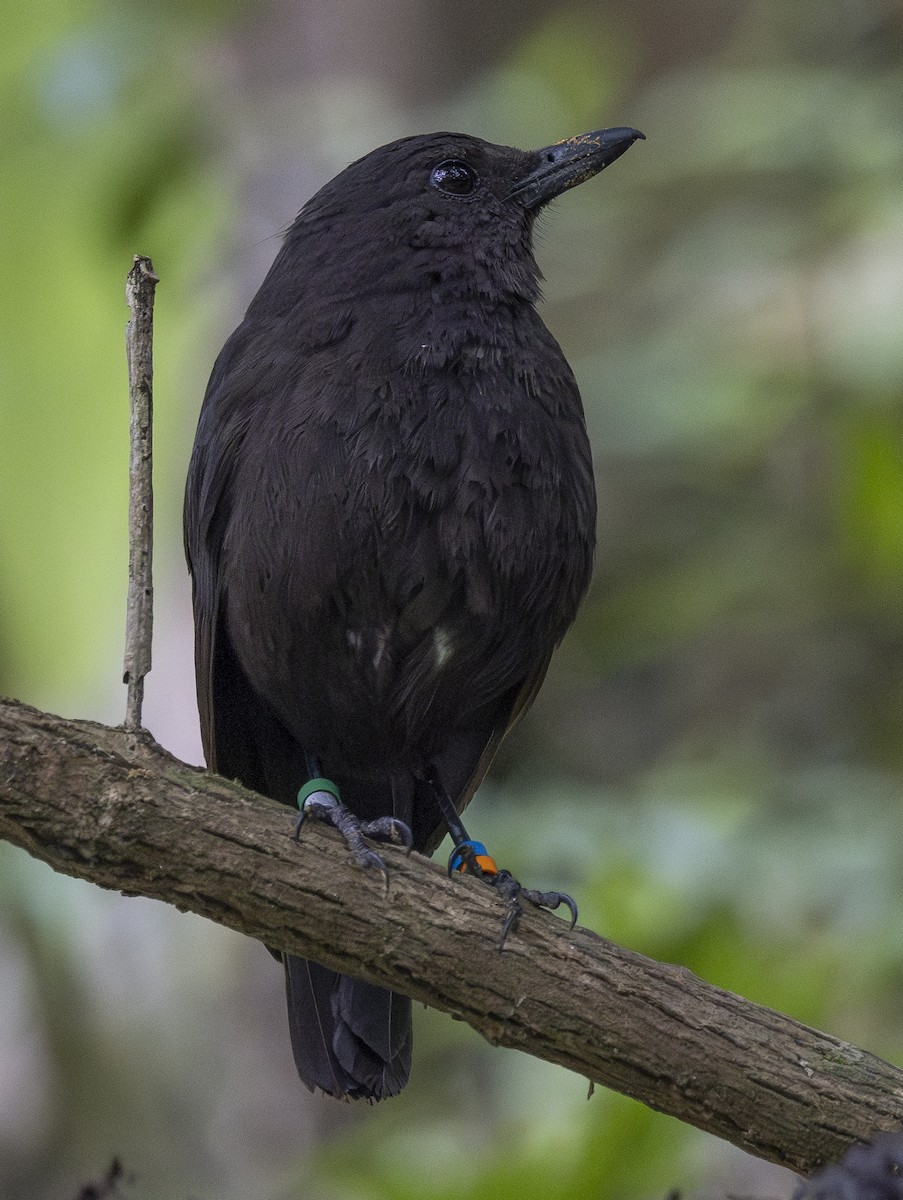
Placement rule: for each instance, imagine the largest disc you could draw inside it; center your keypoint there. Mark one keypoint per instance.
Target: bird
(389, 525)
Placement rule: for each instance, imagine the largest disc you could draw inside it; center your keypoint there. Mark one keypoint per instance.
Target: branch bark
(112, 807)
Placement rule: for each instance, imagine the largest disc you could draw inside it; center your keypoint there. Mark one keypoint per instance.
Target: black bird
(389, 521)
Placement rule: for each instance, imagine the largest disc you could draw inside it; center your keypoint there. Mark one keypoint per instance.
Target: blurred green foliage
(871, 502)
(714, 766)
(102, 143)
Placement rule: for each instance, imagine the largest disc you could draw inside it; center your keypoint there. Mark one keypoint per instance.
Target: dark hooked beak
(567, 163)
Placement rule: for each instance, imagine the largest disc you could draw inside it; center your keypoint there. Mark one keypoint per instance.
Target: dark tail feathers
(349, 1038)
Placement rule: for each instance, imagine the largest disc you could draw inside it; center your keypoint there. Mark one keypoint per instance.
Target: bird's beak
(556, 168)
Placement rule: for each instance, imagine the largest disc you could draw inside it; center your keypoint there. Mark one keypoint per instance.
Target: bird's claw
(471, 857)
(389, 829)
(324, 806)
(513, 892)
(553, 900)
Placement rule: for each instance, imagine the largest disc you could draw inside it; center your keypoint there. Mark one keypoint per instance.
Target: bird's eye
(454, 177)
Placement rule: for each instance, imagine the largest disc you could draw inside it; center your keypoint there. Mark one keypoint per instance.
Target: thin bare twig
(139, 337)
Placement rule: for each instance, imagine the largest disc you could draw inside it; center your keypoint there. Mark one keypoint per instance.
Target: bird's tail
(350, 1038)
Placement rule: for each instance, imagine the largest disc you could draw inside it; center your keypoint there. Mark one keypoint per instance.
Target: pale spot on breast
(373, 642)
(442, 644)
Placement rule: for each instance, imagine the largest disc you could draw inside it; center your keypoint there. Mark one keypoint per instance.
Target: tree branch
(112, 807)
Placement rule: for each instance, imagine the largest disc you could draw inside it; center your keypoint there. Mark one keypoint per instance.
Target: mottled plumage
(390, 515)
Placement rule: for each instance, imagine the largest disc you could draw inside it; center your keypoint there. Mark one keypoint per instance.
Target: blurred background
(714, 766)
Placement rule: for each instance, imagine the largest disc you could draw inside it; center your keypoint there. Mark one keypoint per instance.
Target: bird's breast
(428, 538)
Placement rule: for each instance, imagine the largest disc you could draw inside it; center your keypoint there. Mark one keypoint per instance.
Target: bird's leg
(319, 799)
(471, 857)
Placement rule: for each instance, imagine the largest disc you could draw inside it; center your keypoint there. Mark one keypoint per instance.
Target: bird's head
(445, 204)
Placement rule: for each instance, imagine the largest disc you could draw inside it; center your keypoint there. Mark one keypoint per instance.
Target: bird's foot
(471, 858)
(319, 800)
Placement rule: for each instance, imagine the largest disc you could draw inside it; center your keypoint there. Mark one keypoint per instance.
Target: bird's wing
(206, 504)
(226, 703)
